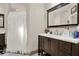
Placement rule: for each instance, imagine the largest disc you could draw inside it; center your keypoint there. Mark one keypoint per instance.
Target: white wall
(50, 5)
(36, 25)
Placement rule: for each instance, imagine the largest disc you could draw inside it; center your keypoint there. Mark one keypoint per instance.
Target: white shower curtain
(17, 32)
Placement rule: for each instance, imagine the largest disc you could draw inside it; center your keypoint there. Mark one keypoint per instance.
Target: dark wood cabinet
(75, 49)
(46, 44)
(64, 48)
(55, 47)
(43, 45)
(2, 42)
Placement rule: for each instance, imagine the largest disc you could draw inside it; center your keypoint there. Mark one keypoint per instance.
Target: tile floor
(13, 54)
(36, 54)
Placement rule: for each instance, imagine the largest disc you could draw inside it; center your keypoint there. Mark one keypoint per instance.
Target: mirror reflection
(64, 15)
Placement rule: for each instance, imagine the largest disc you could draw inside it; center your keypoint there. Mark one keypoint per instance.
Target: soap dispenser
(77, 31)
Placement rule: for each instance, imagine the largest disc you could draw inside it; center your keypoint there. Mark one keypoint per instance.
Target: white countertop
(63, 38)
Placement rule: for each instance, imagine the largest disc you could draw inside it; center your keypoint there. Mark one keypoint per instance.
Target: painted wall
(50, 5)
(36, 24)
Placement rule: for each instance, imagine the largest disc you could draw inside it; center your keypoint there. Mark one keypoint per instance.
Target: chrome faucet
(56, 32)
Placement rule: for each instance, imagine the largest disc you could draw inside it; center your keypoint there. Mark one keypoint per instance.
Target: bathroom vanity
(54, 45)
(64, 14)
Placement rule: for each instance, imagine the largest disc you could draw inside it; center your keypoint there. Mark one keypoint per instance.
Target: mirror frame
(57, 7)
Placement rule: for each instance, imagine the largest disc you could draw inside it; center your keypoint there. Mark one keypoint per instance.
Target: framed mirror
(64, 14)
(1, 20)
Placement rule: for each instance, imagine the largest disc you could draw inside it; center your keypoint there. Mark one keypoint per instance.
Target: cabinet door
(42, 42)
(75, 49)
(40, 45)
(54, 47)
(2, 39)
(46, 43)
(64, 48)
